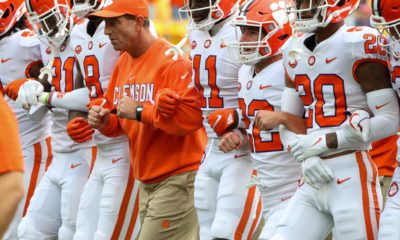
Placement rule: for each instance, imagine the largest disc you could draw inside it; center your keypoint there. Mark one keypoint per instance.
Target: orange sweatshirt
(384, 153)
(10, 148)
(159, 147)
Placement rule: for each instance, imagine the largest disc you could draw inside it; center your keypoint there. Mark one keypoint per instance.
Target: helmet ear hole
(341, 3)
(6, 13)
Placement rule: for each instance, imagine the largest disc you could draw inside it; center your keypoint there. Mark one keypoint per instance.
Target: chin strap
(45, 72)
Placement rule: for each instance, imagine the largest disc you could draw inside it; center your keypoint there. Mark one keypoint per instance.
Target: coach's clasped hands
(98, 117)
(127, 108)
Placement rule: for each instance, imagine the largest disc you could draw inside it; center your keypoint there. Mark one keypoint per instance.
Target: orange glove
(167, 102)
(223, 120)
(79, 130)
(13, 87)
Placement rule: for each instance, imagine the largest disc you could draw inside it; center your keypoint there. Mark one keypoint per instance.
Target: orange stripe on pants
(255, 221)
(124, 206)
(374, 194)
(49, 153)
(365, 195)
(133, 219)
(94, 155)
(34, 175)
(246, 212)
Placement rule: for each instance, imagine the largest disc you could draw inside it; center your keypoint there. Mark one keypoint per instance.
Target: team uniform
(328, 87)
(54, 206)
(224, 205)
(107, 209)
(277, 172)
(391, 213)
(20, 51)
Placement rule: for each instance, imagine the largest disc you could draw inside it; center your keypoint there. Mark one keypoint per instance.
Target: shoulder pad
(356, 34)
(28, 38)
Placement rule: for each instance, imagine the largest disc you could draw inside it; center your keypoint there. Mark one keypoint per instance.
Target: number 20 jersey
(214, 74)
(325, 78)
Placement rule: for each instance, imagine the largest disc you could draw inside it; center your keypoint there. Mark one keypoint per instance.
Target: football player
(224, 205)
(335, 71)
(386, 18)
(265, 28)
(20, 58)
(54, 206)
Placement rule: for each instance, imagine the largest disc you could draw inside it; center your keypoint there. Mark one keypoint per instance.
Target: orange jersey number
(1, 88)
(331, 81)
(69, 74)
(214, 101)
(92, 76)
(255, 141)
(371, 45)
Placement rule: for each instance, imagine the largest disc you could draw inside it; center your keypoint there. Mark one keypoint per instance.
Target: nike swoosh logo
(116, 160)
(318, 140)
(342, 181)
(381, 106)
(184, 76)
(218, 119)
(264, 86)
(5, 60)
(329, 60)
(239, 155)
(74, 166)
(102, 44)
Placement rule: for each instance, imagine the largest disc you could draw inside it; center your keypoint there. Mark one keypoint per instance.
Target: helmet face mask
(265, 27)
(386, 19)
(204, 14)
(312, 14)
(53, 23)
(82, 8)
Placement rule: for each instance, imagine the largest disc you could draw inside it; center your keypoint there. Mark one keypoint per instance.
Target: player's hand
(223, 120)
(358, 126)
(316, 172)
(127, 108)
(13, 87)
(98, 117)
(265, 119)
(231, 141)
(28, 93)
(308, 146)
(79, 130)
(167, 102)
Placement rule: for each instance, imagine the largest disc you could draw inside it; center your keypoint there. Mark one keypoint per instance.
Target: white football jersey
(64, 73)
(214, 73)
(18, 51)
(325, 78)
(96, 58)
(263, 91)
(395, 69)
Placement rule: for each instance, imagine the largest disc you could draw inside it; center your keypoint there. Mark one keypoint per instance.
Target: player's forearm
(11, 193)
(293, 123)
(75, 100)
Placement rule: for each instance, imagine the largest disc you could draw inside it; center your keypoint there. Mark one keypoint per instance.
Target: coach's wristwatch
(139, 110)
